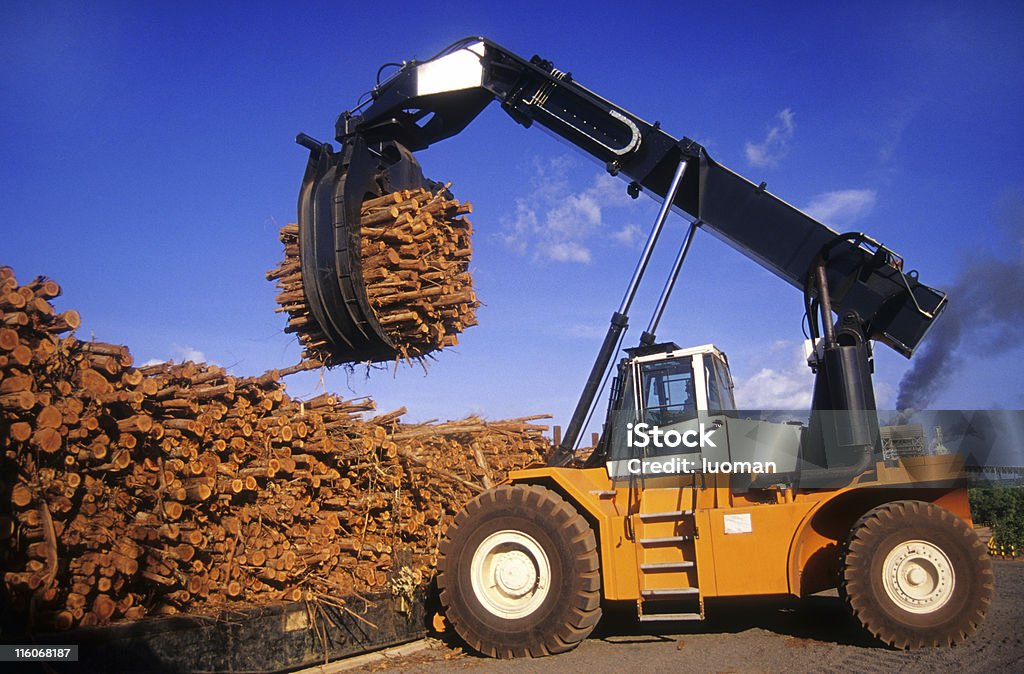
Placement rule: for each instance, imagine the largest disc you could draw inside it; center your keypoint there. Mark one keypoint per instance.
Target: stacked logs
(292, 299)
(129, 491)
(415, 250)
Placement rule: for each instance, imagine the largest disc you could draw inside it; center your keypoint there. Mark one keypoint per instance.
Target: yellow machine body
(765, 542)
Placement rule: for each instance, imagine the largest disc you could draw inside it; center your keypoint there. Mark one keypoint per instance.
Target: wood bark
(178, 488)
(415, 247)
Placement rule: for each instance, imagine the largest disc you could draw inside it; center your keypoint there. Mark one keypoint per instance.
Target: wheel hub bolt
(917, 576)
(515, 573)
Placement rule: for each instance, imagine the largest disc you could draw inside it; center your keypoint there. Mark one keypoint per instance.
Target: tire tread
(581, 612)
(856, 585)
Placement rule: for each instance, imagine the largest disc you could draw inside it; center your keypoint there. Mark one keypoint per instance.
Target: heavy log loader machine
(744, 507)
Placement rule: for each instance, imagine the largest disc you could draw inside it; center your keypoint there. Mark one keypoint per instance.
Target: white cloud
(189, 353)
(553, 222)
(153, 361)
(841, 206)
(568, 251)
(776, 141)
(787, 386)
(628, 235)
(524, 222)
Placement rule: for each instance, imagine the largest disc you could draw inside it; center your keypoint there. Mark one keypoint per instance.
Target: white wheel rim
(918, 577)
(511, 574)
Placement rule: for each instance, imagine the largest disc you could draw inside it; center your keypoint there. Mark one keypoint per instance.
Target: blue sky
(149, 161)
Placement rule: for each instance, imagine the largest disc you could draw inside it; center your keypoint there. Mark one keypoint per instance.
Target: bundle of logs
(129, 491)
(415, 251)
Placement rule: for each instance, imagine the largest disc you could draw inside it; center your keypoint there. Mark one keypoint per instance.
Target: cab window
(719, 385)
(668, 392)
(725, 383)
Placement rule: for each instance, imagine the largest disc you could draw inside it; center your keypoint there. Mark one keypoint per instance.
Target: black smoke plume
(985, 316)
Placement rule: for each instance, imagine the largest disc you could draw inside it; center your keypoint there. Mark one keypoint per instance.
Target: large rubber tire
(494, 559)
(916, 575)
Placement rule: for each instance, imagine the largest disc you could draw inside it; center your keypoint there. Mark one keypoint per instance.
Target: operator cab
(664, 394)
(674, 383)
(667, 387)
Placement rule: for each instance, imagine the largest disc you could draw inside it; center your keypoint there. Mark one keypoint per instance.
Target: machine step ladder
(667, 564)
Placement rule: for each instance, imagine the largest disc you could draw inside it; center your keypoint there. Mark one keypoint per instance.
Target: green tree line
(1003, 509)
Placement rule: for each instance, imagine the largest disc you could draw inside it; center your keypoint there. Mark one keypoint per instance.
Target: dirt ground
(815, 636)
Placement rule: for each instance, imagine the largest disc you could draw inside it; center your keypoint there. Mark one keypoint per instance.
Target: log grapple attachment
(333, 190)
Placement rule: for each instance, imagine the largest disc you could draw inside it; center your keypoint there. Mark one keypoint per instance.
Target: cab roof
(669, 350)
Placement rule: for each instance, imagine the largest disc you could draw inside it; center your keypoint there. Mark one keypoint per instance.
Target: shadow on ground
(819, 618)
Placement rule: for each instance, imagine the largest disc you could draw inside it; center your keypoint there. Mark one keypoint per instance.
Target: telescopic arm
(425, 102)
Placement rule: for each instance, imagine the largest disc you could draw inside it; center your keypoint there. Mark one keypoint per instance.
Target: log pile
(416, 251)
(129, 491)
(416, 248)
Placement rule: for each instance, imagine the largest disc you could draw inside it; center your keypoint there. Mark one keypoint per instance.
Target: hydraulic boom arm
(426, 102)
(422, 103)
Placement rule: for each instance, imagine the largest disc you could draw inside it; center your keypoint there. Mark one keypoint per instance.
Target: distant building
(903, 441)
